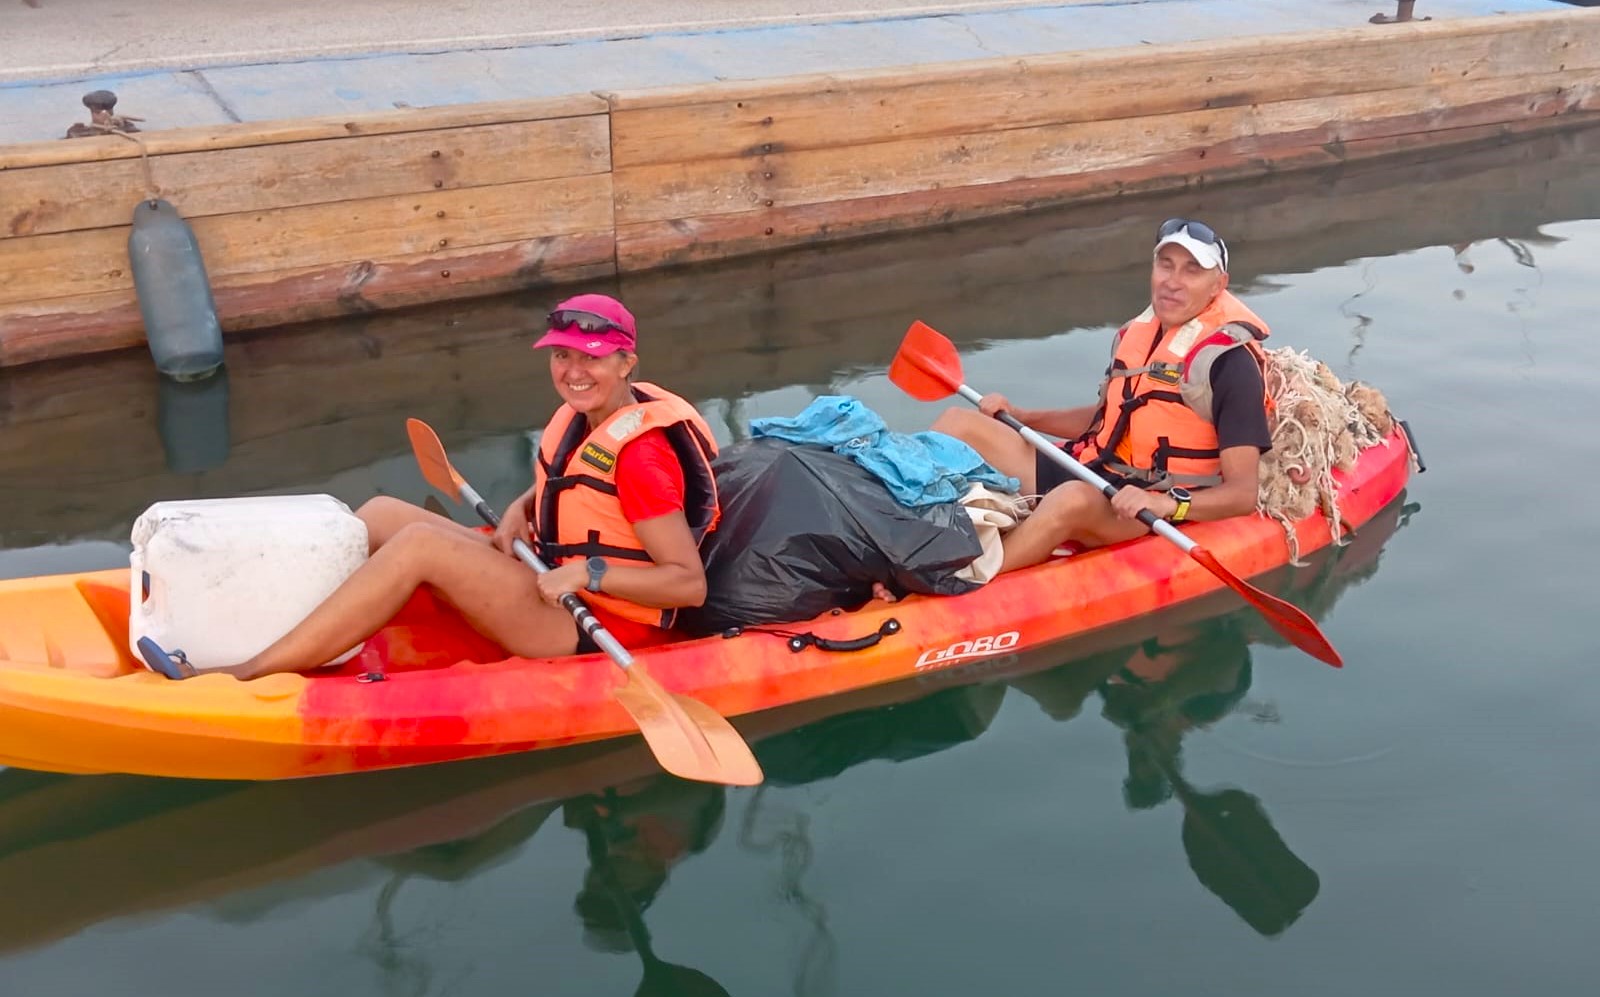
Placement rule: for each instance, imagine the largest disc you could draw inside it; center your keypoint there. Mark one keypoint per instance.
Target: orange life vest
(577, 513)
(1154, 421)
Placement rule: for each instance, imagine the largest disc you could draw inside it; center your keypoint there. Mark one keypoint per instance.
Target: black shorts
(586, 644)
(1047, 474)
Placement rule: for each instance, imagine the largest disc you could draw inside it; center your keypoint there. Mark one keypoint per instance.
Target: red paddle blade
(927, 366)
(1295, 626)
(432, 460)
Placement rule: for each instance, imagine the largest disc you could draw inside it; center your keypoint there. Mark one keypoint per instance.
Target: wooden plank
(679, 241)
(785, 179)
(37, 268)
(94, 323)
(752, 120)
(259, 178)
(253, 133)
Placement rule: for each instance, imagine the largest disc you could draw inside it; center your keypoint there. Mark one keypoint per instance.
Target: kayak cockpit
(77, 622)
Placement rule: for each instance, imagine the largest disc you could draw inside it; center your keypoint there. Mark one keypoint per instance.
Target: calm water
(1185, 805)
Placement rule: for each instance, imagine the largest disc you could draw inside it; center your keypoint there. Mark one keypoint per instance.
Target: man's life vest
(1154, 422)
(577, 513)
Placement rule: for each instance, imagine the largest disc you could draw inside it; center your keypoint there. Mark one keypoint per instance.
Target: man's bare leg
(997, 443)
(1074, 511)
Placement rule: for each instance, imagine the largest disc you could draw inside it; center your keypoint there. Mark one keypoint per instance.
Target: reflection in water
(192, 421)
(636, 835)
(1363, 322)
(1187, 676)
(1182, 681)
(632, 842)
(1519, 252)
(822, 751)
(787, 832)
(401, 969)
(401, 960)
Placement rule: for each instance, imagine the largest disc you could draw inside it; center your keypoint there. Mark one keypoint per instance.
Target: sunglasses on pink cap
(566, 318)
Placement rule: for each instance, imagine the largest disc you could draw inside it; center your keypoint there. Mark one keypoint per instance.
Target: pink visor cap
(596, 324)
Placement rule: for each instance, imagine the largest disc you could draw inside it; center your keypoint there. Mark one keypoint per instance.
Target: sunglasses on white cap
(1195, 230)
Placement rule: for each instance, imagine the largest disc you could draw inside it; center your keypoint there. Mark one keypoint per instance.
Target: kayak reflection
(77, 851)
(637, 834)
(632, 843)
(1168, 687)
(1187, 677)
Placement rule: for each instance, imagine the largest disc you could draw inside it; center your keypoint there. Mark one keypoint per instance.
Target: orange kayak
(72, 699)
(77, 852)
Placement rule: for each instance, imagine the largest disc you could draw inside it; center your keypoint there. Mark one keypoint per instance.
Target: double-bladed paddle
(688, 738)
(928, 368)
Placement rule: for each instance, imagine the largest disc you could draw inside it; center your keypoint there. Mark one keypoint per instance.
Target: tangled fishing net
(1318, 426)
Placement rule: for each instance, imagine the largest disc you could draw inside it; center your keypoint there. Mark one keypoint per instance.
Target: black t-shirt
(1236, 409)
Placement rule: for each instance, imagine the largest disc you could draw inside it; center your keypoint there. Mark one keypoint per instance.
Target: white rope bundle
(1318, 426)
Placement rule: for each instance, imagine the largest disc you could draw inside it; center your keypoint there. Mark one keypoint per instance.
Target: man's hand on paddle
(1132, 500)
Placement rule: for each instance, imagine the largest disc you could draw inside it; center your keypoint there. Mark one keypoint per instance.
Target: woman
(622, 497)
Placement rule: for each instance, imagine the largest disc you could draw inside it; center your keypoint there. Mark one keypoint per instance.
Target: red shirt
(649, 484)
(649, 478)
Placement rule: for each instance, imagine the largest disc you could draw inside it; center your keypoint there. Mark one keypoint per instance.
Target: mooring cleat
(173, 665)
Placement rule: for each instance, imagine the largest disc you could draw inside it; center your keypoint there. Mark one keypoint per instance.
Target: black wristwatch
(597, 568)
(1182, 497)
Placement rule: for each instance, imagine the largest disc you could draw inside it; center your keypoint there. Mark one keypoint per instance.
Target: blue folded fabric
(919, 469)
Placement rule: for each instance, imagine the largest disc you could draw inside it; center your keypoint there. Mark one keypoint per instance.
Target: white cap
(1207, 255)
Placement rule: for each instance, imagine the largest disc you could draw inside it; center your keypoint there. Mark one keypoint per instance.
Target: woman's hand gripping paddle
(928, 368)
(688, 738)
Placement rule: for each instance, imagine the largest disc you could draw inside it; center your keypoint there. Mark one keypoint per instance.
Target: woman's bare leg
(497, 595)
(387, 516)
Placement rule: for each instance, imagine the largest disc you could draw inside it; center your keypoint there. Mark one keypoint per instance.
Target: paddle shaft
(587, 622)
(1060, 456)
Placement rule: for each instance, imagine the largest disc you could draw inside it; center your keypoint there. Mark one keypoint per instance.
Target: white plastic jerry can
(221, 579)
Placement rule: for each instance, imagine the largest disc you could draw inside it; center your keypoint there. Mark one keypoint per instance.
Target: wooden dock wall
(313, 404)
(323, 217)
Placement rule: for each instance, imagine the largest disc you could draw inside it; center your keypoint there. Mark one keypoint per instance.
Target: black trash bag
(805, 530)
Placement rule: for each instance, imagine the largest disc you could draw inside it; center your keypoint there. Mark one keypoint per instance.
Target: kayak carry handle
(800, 640)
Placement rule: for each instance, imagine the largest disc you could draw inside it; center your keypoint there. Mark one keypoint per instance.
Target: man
(1180, 426)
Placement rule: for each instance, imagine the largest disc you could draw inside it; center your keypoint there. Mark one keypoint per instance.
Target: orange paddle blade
(432, 460)
(1293, 625)
(927, 366)
(688, 738)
